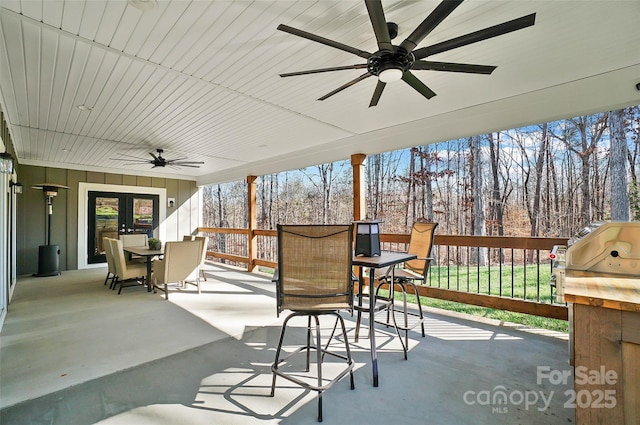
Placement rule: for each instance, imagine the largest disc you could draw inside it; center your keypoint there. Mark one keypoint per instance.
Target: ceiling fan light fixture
(390, 74)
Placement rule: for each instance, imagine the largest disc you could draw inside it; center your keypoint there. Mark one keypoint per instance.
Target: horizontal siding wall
(32, 213)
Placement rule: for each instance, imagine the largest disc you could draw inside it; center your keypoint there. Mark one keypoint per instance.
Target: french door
(112, 214)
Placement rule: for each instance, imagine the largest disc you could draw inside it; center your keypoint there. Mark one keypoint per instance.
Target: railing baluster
(513, 277)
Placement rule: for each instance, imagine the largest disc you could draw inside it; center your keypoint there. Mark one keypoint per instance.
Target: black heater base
(48, 260)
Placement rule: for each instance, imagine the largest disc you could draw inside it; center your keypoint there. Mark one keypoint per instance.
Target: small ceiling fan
(159, 161)
(394, 62)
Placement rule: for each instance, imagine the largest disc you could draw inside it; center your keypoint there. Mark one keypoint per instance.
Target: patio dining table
(148, 254)
(385, 259)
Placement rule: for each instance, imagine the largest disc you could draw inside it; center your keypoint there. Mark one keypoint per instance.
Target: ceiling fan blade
(377, 93)
(153, 155)
(130, 161)
(130, 156)
(474, 37)
(315, 71)
(443, 10)
(418, 85)
(347, 85)
(379, 23)
(325, 41)
(174, 162)
(453, 67)
(185, 165)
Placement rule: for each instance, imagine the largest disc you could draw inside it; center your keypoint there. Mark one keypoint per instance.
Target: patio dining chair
(135, 239)
(125, 271)
(408, 274)
(313, 279)
(180, 264)
(205, 245)
(111, 265)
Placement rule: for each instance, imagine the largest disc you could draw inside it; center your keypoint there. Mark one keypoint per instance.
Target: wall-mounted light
(17, 187)
(6, 163)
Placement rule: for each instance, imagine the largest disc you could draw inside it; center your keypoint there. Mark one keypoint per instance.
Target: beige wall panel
(195, 206)
(158, 182)
(128, 180)
(144, 181)
(59, 221)
(113, 179)
(172, 213)
(31, 219)
(74, 177)
(93, 177)
(184, 208)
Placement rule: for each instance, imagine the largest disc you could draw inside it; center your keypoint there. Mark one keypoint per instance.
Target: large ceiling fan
(394, 62)
(159, 161)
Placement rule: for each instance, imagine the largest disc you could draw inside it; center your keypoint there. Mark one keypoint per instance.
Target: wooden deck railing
(507, 273)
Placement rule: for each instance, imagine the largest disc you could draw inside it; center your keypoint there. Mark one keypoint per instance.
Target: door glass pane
(143, 216)
(106, 221)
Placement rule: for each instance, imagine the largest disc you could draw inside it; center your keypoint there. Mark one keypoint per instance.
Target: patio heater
(49, 255)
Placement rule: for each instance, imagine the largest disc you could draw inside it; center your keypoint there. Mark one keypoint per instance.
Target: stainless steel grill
(602, 288)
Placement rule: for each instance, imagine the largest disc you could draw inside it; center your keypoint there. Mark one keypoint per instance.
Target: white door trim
(83, 206)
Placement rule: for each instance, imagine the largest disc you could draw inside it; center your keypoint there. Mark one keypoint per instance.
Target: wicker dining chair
(314, 279)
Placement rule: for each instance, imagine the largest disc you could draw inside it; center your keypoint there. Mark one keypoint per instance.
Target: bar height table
(385, 259)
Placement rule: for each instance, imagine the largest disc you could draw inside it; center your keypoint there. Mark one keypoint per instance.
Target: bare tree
(581, 137)
(618, 167)
(478, 226)
(539, 166)
(633, 128)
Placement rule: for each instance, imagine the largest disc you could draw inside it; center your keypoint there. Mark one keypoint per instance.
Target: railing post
(359, 204)
(252, 221)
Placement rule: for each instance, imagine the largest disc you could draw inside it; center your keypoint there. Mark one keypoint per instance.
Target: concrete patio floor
(74, 352)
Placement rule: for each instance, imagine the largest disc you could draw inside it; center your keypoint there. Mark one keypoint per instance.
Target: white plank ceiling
(200, 79)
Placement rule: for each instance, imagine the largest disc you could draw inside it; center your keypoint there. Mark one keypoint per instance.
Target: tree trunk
(618, 168)
(476, 189)
(496, 206)
(535, 210)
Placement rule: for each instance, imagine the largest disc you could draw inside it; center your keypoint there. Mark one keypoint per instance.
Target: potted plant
(154, 243)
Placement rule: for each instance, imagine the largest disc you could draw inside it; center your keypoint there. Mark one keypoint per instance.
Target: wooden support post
(252, 221)
(359, 199)
(359, 191)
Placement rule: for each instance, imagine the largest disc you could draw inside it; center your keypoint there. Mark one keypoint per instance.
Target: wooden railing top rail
(515, 242)
(223, 230)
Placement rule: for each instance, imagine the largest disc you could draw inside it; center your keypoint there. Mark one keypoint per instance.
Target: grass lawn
(528, 283)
